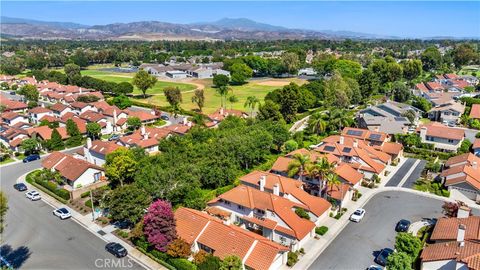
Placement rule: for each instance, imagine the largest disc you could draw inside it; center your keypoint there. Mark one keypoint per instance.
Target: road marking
(404, 179)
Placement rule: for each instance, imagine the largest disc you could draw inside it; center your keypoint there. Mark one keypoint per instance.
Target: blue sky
(405, 19)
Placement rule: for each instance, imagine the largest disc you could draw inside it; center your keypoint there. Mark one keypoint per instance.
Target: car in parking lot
(164, 117)
(31, 158)
(358, 215)
(62, 213)
(20, 187)
(402, 225)
(114, 137)
(382, 257)
(33, 195)
(116, 249)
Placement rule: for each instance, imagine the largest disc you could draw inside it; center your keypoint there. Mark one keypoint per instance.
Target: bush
(159, 255)
(292, 258)
(85, 194)
(89, 203)
(321, 230)
(122, 234)
(182, 264)
(141, 243)
(62, 193)
(302, 213)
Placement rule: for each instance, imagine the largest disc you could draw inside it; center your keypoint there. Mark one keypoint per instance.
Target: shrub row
(30, 179)
(62, 193)
(321, 230)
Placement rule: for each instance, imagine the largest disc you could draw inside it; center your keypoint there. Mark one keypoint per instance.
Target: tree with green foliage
(93, 130)
(240, 72)
(122, 102)
(290, 62)
(465, 146)
(124, 88)
(72, 71)
(409, 244)
(252, 102)
(174, 97)
(338, 119)
(369, 83)
(120, 166)
(80, 58)
(210, 262)
(220, 80)
(30, 92)
(269, 111)
(55, 143)
(289, 102)
(463, 54)
(422, 104)
(316, 123)
(411, 68)
(74, 133)
(199, 99)
(336, 91)
(178, 248)
(231, 262)
(399, 261)
(143, 81)
(324, 64)
(348, 68)
(223, 92)
(289, 146)
(298, 166)
(232, 99)
(134, 123)
(3, 210)
(30, 146)
(431, 58)
(401, 93)
(127, 203)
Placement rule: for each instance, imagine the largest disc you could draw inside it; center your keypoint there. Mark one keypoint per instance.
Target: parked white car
(33, 195)
(62, 213)
(358, 215)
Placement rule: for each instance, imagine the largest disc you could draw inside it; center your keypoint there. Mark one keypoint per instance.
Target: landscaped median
(45, 181)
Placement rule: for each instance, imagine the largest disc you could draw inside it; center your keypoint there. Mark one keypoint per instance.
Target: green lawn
(127, 77)
(213, 101)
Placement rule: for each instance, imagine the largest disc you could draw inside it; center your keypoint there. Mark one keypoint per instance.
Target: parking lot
(356, 246)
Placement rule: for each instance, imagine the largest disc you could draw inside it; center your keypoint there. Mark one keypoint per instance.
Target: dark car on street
(402, 225)
(20, 187)
(381, 258)
(31, 158)
(116, 249)
(164, 117)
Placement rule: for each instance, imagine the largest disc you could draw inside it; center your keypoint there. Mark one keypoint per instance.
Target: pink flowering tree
(159, 225)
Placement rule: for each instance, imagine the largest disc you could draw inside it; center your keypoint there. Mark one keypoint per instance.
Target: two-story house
(37, 113)
(442, 137)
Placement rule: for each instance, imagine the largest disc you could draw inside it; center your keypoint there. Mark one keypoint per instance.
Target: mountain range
(223, 29)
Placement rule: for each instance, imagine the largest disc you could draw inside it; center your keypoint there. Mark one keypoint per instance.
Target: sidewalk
(104, 233)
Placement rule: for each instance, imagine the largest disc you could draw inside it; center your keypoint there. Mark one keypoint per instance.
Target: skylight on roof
(329, 148)
(354, 132)
(375, 136)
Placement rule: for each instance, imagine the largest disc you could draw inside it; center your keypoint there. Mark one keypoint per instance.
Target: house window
(205, 248)
(240, 207)
(226, 202)
(97, 176)
(450, 141)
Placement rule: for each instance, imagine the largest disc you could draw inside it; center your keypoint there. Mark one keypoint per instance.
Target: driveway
(35, 239)
(400, 174)
(416, 173)
(356, 246)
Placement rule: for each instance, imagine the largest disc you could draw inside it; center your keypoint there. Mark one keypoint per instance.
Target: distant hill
(64, 25)
(223, 29)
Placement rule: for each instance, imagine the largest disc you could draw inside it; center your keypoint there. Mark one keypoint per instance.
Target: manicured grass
(6, 161)
(119, 77)
(424, 121)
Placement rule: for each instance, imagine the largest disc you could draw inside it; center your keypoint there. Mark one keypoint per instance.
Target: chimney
(423, 133)
(114, 117)
(184, 120)
(89, 143)
(355, 143)
(263, 180)
(80, 89)
(461, 233)
(221, 111)
(276, 189)
(474, 165)
(342, 140)
(463, 212)
(142, 130)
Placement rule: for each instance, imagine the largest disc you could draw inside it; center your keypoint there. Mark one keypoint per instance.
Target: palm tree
(317, 123)
(223, 91)
(232, 99)
(252, 102)
(338, 119)
(299, 165)
(332, 180)
(320, 169)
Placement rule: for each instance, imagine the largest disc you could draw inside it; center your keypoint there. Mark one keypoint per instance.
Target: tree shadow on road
(16, 258)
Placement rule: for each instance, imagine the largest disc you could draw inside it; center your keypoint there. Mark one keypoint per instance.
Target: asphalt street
(35, 239)
(356, 246)
(395, 179)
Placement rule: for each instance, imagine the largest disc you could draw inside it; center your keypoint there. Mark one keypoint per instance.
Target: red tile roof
(39, 110)
(447, 228)
(475, 111)
(104, 147)
(69, 167)
(468, 254)
(440, 131)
